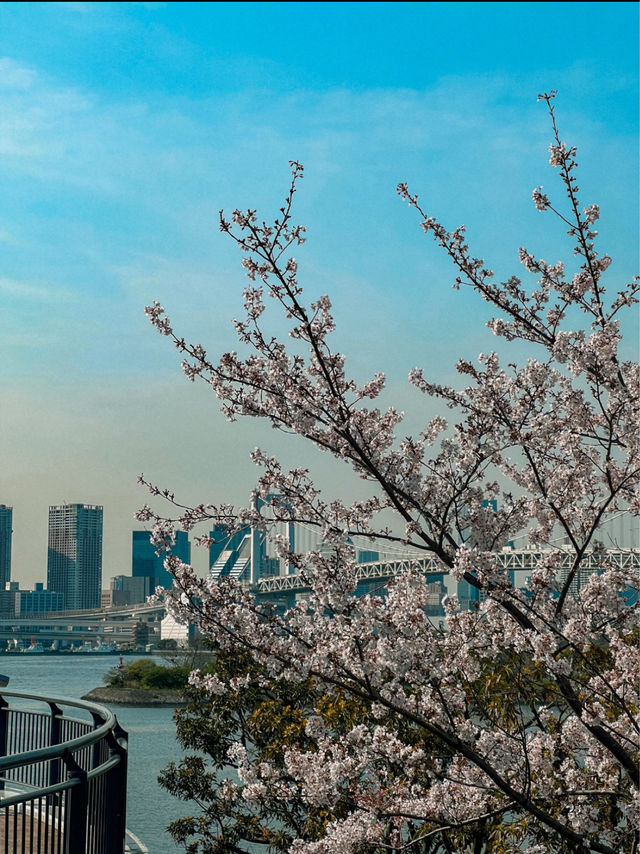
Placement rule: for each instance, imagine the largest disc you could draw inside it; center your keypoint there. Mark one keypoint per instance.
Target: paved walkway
(28, 833)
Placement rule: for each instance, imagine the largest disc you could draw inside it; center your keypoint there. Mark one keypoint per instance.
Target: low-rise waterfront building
(128, 590)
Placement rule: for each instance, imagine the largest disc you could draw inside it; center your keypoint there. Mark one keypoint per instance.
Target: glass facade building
(229, 554)
(145, 563)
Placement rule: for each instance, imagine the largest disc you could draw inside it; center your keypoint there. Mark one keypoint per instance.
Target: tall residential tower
(74, 564)
(6, 520)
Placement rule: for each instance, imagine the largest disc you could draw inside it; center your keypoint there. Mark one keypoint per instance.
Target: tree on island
(516, 726)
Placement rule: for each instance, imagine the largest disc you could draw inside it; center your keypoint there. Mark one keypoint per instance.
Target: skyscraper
(229, 555)
(6, 519)
(74, 564)
(145, 563)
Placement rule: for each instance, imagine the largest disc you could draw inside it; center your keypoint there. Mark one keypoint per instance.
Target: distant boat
(34, 648)
(101, 649)
(105, 648)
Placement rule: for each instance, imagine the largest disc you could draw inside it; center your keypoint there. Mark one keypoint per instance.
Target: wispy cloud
(30, 291)
(13, 75)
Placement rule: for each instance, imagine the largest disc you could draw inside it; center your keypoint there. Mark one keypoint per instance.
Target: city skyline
(126, 127)
(143, 558)
(232, 554)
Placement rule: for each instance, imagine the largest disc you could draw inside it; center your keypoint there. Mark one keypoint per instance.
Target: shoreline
(136, 697)
(98, 652)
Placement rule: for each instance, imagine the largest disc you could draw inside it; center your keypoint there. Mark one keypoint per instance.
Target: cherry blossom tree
(516, 726)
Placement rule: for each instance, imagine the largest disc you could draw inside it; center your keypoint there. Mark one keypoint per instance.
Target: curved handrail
(60, 787)
(56, 751)
(76, 787)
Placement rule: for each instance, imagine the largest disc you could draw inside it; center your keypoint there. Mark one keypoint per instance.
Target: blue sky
(124, 128)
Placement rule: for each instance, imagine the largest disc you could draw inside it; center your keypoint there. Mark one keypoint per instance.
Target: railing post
(4, 732)
(54, 738)
(75, 818)
(116, 804)
(96, 759)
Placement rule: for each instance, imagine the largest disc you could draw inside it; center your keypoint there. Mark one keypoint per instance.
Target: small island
(142, 683)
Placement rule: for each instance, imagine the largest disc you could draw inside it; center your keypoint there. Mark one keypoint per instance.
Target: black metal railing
(63, 778)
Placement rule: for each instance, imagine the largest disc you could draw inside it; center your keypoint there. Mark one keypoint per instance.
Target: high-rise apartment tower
(74, 564)
(6, 520)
